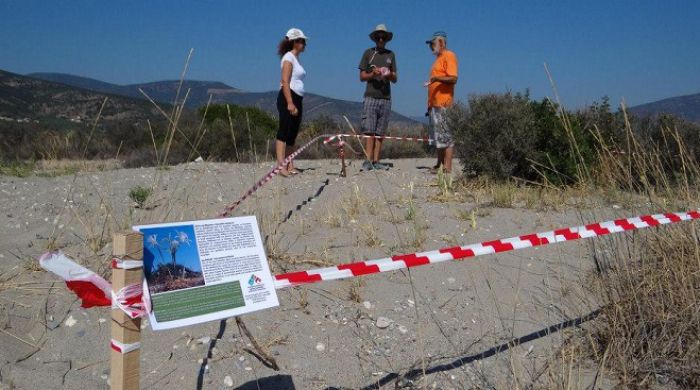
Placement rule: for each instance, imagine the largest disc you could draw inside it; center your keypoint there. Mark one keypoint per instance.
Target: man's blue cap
(437, 34)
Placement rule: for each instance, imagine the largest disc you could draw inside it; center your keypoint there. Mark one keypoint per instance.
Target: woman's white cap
(295, 33)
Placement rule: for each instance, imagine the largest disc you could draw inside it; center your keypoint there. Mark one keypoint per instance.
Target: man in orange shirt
(441, 90)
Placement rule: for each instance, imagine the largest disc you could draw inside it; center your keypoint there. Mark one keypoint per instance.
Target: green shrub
(140, 195)
(494, 135)
(250, 127)
(507, 135)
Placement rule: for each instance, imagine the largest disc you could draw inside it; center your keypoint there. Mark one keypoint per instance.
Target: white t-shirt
(296, 83)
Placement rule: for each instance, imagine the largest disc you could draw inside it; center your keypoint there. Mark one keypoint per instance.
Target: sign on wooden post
(126, 331)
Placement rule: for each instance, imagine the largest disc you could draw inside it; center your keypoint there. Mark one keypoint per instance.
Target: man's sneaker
(367, 166)
(380, 166)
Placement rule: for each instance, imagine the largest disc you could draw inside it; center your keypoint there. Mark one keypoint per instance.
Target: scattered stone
(204, 340)
(383, 322)
(228, 381)
(320, 347)
(451, 280)
(248, 368)
(403, 329)
(367, 305)
(70, 321)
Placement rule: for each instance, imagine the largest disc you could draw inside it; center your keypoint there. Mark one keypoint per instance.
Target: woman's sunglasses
(302, 41)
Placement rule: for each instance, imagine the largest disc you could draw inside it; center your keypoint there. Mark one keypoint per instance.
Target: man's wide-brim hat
(381, 28)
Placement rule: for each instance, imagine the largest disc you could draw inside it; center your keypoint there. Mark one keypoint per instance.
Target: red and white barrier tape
(124, 348)
(274, 171)
(268, 176)
(126, 264)
(382, 137)
(92, 289)
(488, 247)
(130, 300)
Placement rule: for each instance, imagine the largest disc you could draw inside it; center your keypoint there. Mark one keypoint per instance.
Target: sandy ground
(443, 319)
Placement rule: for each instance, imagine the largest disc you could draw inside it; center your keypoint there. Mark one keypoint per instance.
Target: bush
(494, 135)
(235, 133)
(140, 195)
(507, 135)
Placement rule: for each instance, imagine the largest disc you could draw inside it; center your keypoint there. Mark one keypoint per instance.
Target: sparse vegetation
(140, 195)
(509, 135)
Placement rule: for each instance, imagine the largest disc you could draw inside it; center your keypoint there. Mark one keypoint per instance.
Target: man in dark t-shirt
(378, 70)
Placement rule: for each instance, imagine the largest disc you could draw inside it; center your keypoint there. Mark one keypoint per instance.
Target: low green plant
(140, 195)
(445, 183)
(411, 208)
(15, 168)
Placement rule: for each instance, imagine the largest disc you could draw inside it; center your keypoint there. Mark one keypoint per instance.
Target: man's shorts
(375, 116)
(438, 128)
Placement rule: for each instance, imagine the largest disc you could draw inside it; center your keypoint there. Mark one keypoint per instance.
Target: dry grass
(333, 219)
(649, 328)
(353, 204)
(648, 282)
(371, 235)
(65, 166)
(651, 321)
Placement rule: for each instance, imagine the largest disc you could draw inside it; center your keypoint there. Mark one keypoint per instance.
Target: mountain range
(199, 92)
(78, 99)
(24, 98)
(686, 107)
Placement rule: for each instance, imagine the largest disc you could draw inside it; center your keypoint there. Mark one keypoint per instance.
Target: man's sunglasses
(380, 37)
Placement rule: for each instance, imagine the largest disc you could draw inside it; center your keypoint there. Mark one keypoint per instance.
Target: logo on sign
(254, 280)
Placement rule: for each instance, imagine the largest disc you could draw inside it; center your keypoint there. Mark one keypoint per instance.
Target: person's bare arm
(365, 75)
(286, 90)
(444, 79)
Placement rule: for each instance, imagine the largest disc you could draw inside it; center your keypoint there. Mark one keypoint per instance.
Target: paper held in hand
(200, 271)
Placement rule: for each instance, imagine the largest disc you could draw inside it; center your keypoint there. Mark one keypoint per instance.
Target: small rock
(383, 322)
(204, 340)
(228, 381)
(662, 379)
(248, 368)
(70, 321)
(320, 347)
(451, 280)
(403, 329)
(367, 305)
(198, 159)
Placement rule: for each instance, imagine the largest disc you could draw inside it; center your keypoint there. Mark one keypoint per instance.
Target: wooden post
(341, 152)
(125, 367)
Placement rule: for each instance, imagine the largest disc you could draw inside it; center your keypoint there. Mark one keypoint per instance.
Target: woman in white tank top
(290, 96)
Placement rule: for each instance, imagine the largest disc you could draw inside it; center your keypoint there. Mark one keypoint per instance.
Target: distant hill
(164, 92)
(23, 97)
(686, 107)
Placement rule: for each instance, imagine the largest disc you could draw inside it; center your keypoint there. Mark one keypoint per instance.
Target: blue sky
(186, 255)
(637, 50)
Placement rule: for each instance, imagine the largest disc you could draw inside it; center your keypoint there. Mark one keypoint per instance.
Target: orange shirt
(442, 94)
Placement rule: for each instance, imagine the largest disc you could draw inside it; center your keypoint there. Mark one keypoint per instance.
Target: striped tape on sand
(394, 263)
